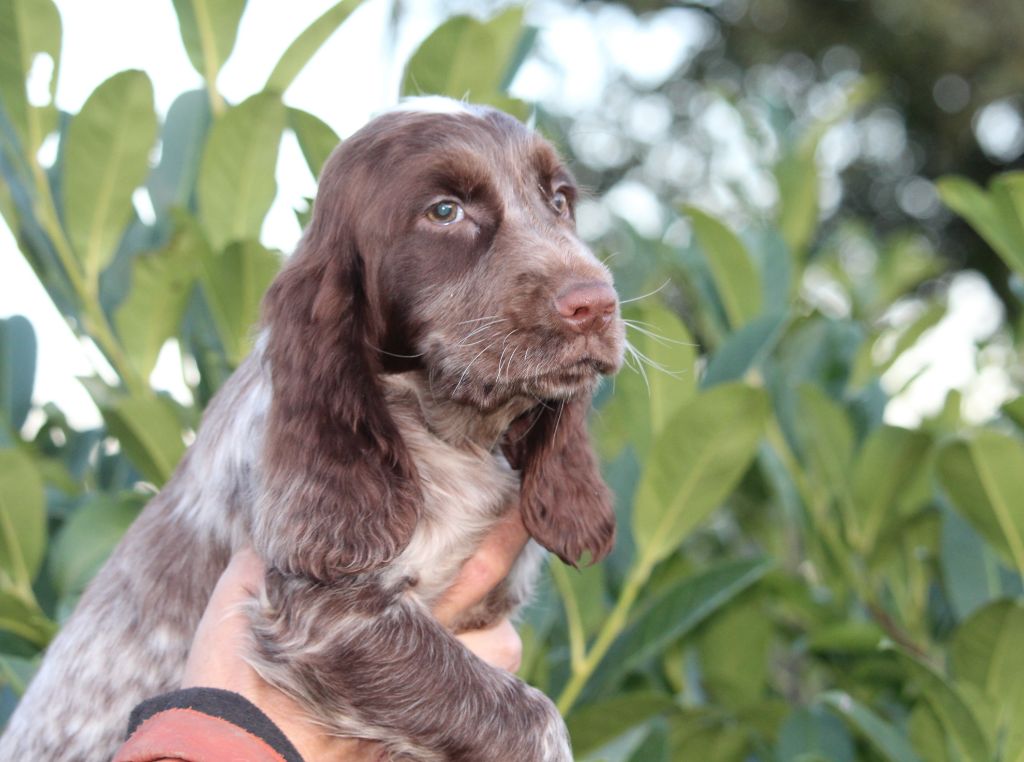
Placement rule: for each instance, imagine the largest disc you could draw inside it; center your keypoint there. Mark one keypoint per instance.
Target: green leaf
(87, 538)
(233, 283)
(687, 476)
(734, 655)
(465, 58)
(673, 613)
(736, 277)
(885, 739)
(962, 727)
(161, 286)
(149, 433)
(983, 476)
(316, 139)
(307, 44)
(172, 181)
(826, 440)
(814, 732)
(986, 652)
(744, 349)
(27, 28)
(236, 179)
(925, 731)
(594, 725)
(106, 157)
(22, 519)
(17, 369)
(209, 29)
(797, 178)
(998, 215)
(891, 471)
(658, 380)
(25, 619)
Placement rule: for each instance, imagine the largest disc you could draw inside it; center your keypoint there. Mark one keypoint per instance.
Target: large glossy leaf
(593, 725)
(172, 181)
(209, 29)
(316, 138)
(964, 731)
(984, 477)
(744, 349)
(986, 652)
(891, 469)
(17, 369)
(659, 377)
(307, 44)
(997, 215)
(736, 277)
(797, 178)
(87, 538)
(695, 463)
(149, 433)
(468, 58)
(233, 283)
(22, 518)
(885, 739)
(106, 157)
(28, 28)
(161, 286)
(236, 179)
(673, 613)
(814, 732)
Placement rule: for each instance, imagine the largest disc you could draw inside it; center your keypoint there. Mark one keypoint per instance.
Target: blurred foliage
(795, 579)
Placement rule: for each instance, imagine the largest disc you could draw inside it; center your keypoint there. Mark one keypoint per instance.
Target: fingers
(499, 646)
(484, 569)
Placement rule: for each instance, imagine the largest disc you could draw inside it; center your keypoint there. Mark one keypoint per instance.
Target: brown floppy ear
(341, 494)
(566, 505)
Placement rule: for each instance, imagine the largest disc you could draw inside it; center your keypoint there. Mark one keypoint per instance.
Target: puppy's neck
(458, 424)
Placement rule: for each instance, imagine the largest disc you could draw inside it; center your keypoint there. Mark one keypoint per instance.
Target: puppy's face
(478, 271)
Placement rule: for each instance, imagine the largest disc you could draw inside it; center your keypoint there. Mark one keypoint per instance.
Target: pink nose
(587, 307)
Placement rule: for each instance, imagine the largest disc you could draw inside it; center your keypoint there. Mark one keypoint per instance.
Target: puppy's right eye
(445, 212)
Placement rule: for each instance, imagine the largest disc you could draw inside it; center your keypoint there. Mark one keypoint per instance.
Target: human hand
(217, 658)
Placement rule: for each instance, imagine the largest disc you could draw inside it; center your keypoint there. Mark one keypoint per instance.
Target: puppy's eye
(561, 203)
(445, 212)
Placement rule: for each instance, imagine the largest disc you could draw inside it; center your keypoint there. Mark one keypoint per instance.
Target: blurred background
(816, 227)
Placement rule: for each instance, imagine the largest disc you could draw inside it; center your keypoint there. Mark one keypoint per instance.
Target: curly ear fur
(341, 493)
(566, 505)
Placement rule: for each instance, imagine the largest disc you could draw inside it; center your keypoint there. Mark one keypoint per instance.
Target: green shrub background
(794, 579)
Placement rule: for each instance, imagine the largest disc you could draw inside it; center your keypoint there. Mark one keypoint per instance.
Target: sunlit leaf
(997, 215)
(736, 277)
(465, 58)
(25, 619)
(234, 282)
(236, 179)
(161, 286)
(149, 433)
(106, 157)
(22, 518)
(316, 139)
(797, 178)
(28, 28)
(984, 477)
(305, 46)
(209, 29)
(695, 463)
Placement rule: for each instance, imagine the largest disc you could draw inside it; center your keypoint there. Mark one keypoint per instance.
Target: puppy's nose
(587, 307)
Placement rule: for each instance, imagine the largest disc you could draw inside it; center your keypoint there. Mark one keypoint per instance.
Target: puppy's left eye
(561, 204)
(445, 212)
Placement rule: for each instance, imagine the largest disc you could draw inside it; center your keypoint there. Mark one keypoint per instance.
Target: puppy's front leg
(373, 663)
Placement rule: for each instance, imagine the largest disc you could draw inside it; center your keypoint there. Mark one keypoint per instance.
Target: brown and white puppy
(426, 366)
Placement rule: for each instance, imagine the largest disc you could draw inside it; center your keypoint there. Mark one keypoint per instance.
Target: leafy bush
(794, 580)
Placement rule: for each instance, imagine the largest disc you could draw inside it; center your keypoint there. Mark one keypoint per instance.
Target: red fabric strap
(191, 736)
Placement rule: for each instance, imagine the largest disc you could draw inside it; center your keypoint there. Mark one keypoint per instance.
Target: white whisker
(650, 293)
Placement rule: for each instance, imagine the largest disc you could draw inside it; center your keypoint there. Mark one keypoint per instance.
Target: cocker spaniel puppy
(426, 366)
